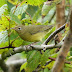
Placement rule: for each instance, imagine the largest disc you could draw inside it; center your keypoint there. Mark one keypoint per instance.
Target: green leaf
(33, 58)
(3, 36)
(10, 5)
(48, 6)
(46, 9)
(50, 65)
(23, 66)
(44, 57)
(68, 65)
(50, 31)
(4, 44)
(14, 18)
(66, 69)
(26, 21)
(35, 2)
(4, 23)
(37, 14)
(46, 70)
(19, 9)
(3, 9)
(31, 10)
(13, 1)
(2, 2)
(70, 51)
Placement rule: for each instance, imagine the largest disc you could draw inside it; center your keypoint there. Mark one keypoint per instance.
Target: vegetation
(50, 55)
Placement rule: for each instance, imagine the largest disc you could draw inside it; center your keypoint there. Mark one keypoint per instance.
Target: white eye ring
(19, 28)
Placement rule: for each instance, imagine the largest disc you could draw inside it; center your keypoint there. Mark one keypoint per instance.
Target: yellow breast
(33, 38)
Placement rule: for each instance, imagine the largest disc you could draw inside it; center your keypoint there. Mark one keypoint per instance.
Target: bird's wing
(39, 28)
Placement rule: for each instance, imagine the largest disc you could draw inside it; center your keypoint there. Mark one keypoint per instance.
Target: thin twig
(54, 59)
(14, 40)
(17, 6)
(28, 14)
(7, 47)
(8, 33)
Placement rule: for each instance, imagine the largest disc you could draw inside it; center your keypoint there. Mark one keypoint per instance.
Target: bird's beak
(13, 28)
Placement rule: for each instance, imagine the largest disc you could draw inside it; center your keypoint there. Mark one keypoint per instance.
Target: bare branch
(53, 34)
(28, 48)
(16, 62)
(14, 65)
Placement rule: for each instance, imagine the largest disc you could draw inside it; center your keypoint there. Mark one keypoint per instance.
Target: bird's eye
(19, 28)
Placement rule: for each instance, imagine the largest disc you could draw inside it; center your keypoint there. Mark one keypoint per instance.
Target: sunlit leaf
(35, 2)
(4, 23)
(19, 9)
(23, 66)
(15, 18)
(3, 9)
(10, 5)
(3, 36)
(2, 2)
(48, 6)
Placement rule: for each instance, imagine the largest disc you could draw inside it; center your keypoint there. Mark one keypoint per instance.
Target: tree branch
(14, 65)
(64, 50)
(28, 48)
(53, 34)
(16, 62)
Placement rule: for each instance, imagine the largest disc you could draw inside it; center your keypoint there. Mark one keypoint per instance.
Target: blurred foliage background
(29, 12)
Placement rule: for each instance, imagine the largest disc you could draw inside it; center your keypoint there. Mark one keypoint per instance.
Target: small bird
(32, 33)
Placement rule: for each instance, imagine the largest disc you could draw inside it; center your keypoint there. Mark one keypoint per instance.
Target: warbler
(32, 33)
